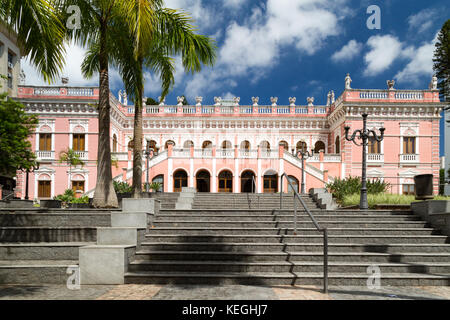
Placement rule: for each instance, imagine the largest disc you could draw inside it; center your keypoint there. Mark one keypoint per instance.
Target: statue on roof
(348, 81)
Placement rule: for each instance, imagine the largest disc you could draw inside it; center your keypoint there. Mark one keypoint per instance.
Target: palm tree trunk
(104, 196)
(137, 136)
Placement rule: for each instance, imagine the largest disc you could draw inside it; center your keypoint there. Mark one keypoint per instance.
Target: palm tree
(40, 33)
(97, 30)
(155, 35)
(72, 159)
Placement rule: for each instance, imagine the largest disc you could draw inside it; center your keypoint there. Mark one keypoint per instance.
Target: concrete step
(257, 212)
(283, 217)
(254, 256)
(32, 272)
(48, 234)
(335, 279)
(290, 231)
(288, 247)
(317, 238)
(59, 219)
(289, 224)
(283, 267)
(41, 251)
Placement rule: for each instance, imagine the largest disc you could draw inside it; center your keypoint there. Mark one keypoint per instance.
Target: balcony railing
(225, 153)
(375, 157)
(120, 156)
(83, 155)
(248, 154)
(181, 153)
(409, 158)
(45, 155)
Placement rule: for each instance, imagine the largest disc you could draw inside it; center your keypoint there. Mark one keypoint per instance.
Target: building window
(78, 142)
(78, 186)
(374, 146)
(408, 189)
(409, 145)
(114, 143)
(319, 146)
(338, 145)
(45, 142)
(44, 189)
(301, 146)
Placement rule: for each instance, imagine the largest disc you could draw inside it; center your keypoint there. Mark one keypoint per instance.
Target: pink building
(228, 147)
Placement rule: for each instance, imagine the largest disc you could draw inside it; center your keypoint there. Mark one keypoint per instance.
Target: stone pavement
(230, 292)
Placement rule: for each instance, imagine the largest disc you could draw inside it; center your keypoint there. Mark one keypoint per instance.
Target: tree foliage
(151, 102)
(442, 61)
(15, 128)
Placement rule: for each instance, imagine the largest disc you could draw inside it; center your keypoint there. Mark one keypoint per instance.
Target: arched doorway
(295, 184)
(226, 181)
(180, 180)
(270, 182)
(319, 146)
(245, 145)
(166, 145)
(151, 144)
(188, 144)
(247, 184)
(203, 181)
(285, 145)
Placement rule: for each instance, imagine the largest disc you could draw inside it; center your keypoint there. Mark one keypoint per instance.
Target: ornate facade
(229, 147)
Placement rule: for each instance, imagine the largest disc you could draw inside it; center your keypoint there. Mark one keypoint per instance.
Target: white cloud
(204, 17)
(423, 20)
(348, 52)
(228, 95)
(233, 4)
(421, 63)
(74, 58)
(384, 51)
(254, 47)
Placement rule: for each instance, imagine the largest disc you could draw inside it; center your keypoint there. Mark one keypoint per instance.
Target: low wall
(435, 212)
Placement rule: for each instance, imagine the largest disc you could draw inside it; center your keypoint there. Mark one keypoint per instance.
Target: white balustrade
(47, 91)
(283, 110)
(246, 110)
(189, 110)
(301, 110)
(152, 110)
(375, 157)
(120, 156)
(373, 95)
(170, 109)
(332, 158)
(181, 153)
(320, 110)
(45, 155)
(83, 155)
(226, 110)
(225, 153)
(265, 110)
(80, 92)
(409, 95)
(208, 110)
(409, 158)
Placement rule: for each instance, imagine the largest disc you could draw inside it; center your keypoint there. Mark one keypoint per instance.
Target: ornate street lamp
(149, 153)
(364, 135)
(305, 154)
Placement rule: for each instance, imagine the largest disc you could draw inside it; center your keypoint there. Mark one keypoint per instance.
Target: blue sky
(300, 48)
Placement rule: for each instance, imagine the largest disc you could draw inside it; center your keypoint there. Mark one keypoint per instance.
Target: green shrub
(69, 197)
(352, 185)
(122, 187)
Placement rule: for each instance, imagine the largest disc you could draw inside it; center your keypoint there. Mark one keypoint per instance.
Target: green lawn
(383, 198)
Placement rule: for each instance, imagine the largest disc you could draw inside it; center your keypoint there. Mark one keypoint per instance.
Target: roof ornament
(199, 101)
(348, 81)
(292, 101)
(218, 101)
(255, 101)
(390, 84)
(310, 101)
(274, 101)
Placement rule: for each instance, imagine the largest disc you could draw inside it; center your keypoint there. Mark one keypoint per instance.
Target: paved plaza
(231, 292)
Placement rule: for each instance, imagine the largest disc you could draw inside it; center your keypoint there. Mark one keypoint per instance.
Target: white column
(214, 177)
(191, 176)
(258, 175)
(236, 175)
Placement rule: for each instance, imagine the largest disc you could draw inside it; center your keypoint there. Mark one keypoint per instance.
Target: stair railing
(316, 224)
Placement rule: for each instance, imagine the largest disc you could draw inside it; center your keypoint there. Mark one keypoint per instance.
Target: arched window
(227, 145)
(285, 145)
(301, 146)
(265, 145)
(338, 145)
(207, 145)
(319, 146)
(114, 144)
(166, 146)
(151, 144)
(187, 144)
(245, 145)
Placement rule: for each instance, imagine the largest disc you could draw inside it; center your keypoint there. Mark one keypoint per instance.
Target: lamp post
(364, 135)
(305, 154)
(32, 169)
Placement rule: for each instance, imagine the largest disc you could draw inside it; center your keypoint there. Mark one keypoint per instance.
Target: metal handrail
(316, 224)
(11, 195)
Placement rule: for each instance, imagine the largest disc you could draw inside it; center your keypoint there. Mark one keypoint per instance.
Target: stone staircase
(226, 239)
(37, 246)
